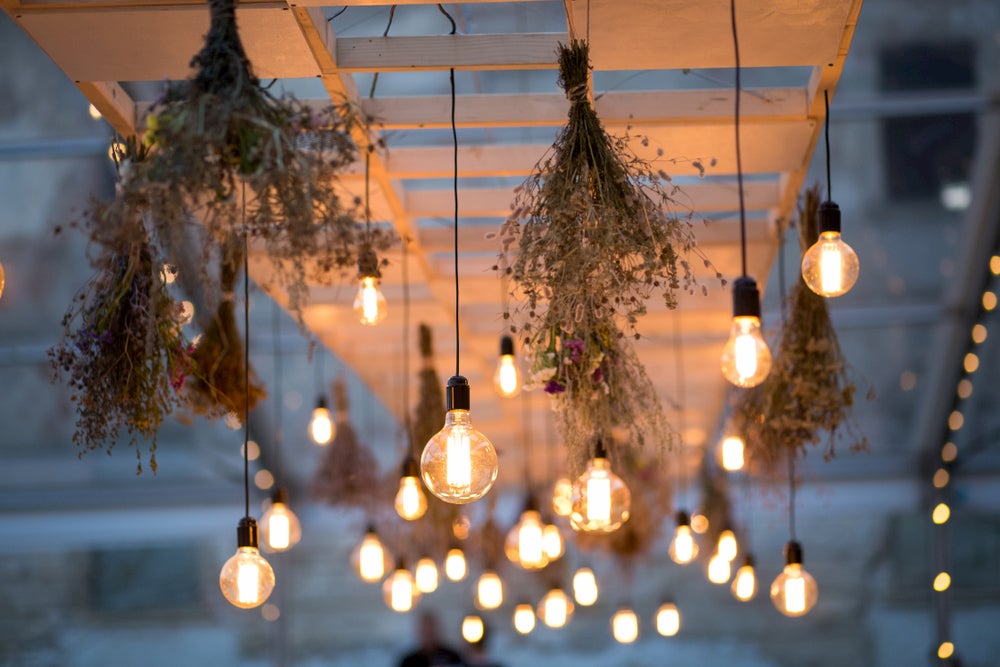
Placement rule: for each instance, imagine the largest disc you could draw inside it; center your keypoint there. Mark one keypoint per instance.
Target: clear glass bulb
(459, 464)
(246, 579)
(489, 590)
(746, 358)
(524, 544)
(601, 500)
(555, 609)
(732, 453)
(3, 279)
(719, 569)
(552, 542)
(830, 266)
(507, 379)
(728, 547)
(668, 619)
(683, 548)
(562, 497)
(745, 583)
(411, 503)
(455, 567)
(279, 527)
(425, 575)
(369, 304)
(625, 626)
(794, 591)
(399, 590)
(524, 618)
(371, 559)
(472, 629)
(321, 426)
(585, 589)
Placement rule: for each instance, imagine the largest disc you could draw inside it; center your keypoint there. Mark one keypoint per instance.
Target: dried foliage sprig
(809, 394)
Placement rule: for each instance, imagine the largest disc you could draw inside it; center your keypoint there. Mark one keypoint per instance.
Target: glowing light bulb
(410, 503)
(683, 548)
(455, 567)
(369, 304)
(731, 453)
(942, 582)
(399, 590)
(425, 575)
(370, 558)
(279, 526)
(601, 500)
(941, 514)
(555, 609)
(794, 591)
(459, 464)
(472, 629)
(745, 583)
(946, 650)
(524, 544)
(321, 427)
(625, 626)
(562, 497)
(3, 280)
(552, 542)
(246, 579)
(524, 618)
(830, 266)
(668, 619)
(719, 569)
(746, 359)
(585, 589)
(489, 590)
(94, 112)
(507, 379)
(727, 546)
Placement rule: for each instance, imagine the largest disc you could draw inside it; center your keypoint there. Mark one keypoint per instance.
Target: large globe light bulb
(794, 591)
(246, 579)
(507, 379)
(321, 426)
(683, 548)
(279, 526)
(410, 502)
(459, 464)
(830, 266)
(601, 500)
(746, 358)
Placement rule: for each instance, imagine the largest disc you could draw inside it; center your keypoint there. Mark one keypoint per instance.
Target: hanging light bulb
(745, 583)
(459, 464)
(399, 589)
(625, 626)
(507, 379)
(562, 497)
(246, 579)
(370, 558)
(683, 548)
(552, 542)
(719, 569)
(472, 629)
(601, 500)
(3, 279)
(455, 567)
(746, 359)
(410, 503)
(321, 426)
(524, 544)
(280, 527)
(732, 453)
(727, 546)
(369, 304)
(794, 591)
(524, 618)
(425, 575)
(585, 589)
(668, 619)
(555, 609)
(830, 266)
(489, 590)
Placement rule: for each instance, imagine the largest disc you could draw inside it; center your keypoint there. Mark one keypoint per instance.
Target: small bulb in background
(744, 586)
(370, 558)
(732, 453)
(279, 526)
(524, 618)
(455, 566)
(562, 497)
(683, 548)
(585, 589)
(719, 569)
(625, 626)
(727, 546)
(525, 544)
(399, 589)
(552, 542)
(602, 501)
(321, 426)
(94, 113)
(410, 501)
(668, 619)
(507, 379)
(555, 609)
(489, 590)
(472, 629)
(425, 575)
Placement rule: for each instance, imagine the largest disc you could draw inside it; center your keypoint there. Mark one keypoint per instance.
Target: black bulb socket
(600, 451)
(683, 519)
(749, 560)
(321, 403)
(370, 529)
(246, 532)
(530, 502)
(506, 346)
(280, 495)
(746, 297)
(793, 553)
(456, 394)
(368, 264)
(829, 217)
(410, 467)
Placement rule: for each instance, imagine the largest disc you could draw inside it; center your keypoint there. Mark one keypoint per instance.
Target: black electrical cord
(739, 156)
(406, 348)
(246, 358)
(278, 434)
(826, 132)
(454, 184)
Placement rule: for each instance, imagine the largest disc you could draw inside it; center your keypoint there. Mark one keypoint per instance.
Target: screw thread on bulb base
(457, 394)
(246, 532)
(829, 217)
(746, 297)
(793, 553)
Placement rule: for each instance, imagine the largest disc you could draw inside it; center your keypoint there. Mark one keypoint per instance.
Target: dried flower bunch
(347, 475)
(809, 392)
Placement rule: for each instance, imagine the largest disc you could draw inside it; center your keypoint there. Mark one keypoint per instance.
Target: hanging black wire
(278, 432)
(385, 33)
(739, 155)
(406, 347)
(246, 358)
(791, 494)
(454, 186)
(680, 479)
(826, 133)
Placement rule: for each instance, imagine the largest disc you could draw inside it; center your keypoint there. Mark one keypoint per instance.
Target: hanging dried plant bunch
(347, 474)
(808, 396)
(123, 354)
